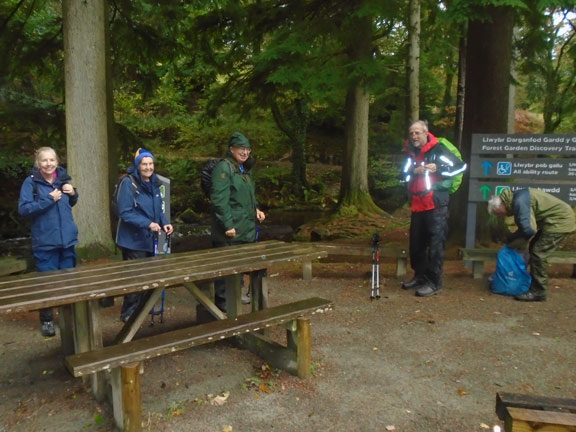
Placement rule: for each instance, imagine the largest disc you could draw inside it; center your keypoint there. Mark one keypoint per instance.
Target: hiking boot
(412, 283)
(428, 290)
(531, 296)
(48, 329)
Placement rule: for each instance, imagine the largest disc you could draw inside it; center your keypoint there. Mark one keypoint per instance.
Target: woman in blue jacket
(141, 218)
(47, 197)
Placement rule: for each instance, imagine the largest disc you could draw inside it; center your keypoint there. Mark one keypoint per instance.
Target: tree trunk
(460, 93)
(414, 61)
(354, 194)
(295, 127)
(488, 63)
(86, 121)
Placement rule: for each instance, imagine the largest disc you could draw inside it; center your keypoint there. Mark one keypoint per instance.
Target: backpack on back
(114, 213)
(206, 175)
(456, 180)
(511, 276)
(114, 200)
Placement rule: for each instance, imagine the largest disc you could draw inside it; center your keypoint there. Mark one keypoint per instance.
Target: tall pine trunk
(414, 62)
(86, 121)
(354, 194)
(488, 65)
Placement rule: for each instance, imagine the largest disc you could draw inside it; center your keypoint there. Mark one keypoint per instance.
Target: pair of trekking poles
(375, 290)
(153, 311)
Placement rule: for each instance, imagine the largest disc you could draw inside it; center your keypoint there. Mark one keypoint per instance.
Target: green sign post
(518, 161)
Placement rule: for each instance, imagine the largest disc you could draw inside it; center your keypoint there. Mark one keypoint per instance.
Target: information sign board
(482, 190)
(548, 144)
(544, 168)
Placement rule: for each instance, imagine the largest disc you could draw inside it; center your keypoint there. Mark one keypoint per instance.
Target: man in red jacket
(428, 171)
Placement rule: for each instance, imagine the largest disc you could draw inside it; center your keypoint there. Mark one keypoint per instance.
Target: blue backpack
(511, 276)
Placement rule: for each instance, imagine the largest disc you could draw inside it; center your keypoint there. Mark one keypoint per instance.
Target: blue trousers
(53, 259)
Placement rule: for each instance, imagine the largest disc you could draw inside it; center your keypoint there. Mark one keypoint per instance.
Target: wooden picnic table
(76, 291)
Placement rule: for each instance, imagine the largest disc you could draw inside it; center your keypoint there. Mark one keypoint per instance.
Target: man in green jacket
(234, 206)
(543, 220)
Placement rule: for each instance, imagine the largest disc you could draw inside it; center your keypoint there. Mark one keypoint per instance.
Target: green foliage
(548, 64)
(385, 185)
(14, 166)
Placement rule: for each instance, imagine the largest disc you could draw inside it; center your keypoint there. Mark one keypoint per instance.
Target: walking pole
(153, 310)
(166, 252)
(375, 292)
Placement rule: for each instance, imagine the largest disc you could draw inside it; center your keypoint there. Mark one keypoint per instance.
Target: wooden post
(126, 397)
(401, 265)
(307, 270)
(303, 348)
(233, 295)
(131, 406)
(66, 324)
(259, 289)
(95, 335)
(477, 269)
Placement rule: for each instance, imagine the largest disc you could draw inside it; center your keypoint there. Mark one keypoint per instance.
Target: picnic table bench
(76, 292)
(529, 413)
(10, 265)
(479, 256)
(342, 250)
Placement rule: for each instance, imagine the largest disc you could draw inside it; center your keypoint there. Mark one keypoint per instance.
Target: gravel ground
(400, 363)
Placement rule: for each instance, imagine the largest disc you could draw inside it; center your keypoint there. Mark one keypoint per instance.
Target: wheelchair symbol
(504, 168)
(500, 189)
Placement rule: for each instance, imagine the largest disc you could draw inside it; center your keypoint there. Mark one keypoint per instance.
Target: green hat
(238, 140)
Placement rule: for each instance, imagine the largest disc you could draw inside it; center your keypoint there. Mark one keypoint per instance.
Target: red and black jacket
(429, 191)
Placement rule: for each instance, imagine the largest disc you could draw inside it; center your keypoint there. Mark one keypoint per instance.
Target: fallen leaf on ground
(264, 388)
(227, 429)
(462, 392)
(220, 399)
(390, 428)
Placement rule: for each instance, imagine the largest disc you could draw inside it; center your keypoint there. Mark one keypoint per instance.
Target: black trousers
(220, 284)
(428, 231)
(132, 300)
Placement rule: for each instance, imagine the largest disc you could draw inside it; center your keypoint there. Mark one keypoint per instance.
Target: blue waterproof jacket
(53, 226)
(137, 208)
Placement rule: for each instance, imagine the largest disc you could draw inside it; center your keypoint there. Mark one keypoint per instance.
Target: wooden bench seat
(528, 413)
(123, 361)
(478, 256)
(343, 250)
(10, 265)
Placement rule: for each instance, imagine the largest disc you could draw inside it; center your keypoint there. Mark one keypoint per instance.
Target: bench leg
(98, 379)
(65, 322)
(401, 267)
(303, 353)
(307, 270)
(477, 269)
(234, 295)
(259, 290)
(298, 338)
(126, 397)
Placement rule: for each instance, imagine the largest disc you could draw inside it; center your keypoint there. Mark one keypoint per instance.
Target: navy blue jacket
(53, 226)
(137, 210)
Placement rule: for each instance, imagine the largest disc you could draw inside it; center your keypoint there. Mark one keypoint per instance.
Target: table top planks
(37, 290)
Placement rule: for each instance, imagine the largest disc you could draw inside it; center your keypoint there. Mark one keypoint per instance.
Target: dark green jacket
(233, 203)
(534, 210)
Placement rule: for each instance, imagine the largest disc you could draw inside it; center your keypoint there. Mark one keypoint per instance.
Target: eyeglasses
(246, 149)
